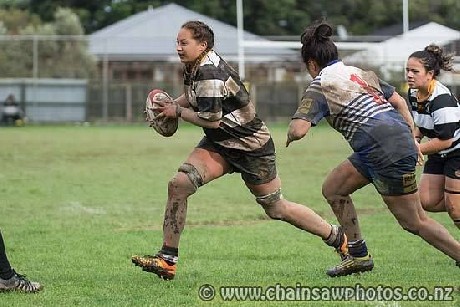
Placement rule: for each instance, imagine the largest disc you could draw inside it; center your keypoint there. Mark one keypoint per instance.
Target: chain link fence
(56, 79)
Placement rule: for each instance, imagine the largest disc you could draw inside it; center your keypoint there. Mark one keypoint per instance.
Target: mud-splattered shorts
(255, 167)
(393, 180)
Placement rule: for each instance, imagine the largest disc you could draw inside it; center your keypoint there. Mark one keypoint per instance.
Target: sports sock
(170, 254)
(357, 248)
(6, 272)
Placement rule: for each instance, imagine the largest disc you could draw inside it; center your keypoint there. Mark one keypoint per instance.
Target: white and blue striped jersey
(354, 102)
(438, 116)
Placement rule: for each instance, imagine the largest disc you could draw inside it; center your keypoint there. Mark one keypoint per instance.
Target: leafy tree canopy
(262, 17)
(56, 58)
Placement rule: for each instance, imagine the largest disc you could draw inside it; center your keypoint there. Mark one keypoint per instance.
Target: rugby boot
(350, 265)
(19, 282)
(155, 264)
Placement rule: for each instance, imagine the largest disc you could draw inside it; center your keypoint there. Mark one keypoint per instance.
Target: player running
(235, 140)
(364, 110)
(437, 116)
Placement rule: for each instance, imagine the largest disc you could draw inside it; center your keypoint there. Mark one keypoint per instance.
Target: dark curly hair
(200, 32)
(433, 58)
(317, 44)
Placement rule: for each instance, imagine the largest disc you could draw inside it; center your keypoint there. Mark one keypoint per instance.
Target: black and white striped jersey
(216, 92)
(438, 116)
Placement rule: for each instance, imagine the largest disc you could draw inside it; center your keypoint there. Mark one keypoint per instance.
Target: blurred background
(81, 61)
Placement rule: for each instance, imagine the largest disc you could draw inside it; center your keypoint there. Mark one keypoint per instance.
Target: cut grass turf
(77, 202)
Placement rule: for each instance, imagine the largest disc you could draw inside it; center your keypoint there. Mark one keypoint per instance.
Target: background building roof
(151, 36)
(391, 54)
(397, 29)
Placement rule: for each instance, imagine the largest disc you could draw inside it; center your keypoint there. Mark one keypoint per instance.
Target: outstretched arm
(298, 128)
(400, 105)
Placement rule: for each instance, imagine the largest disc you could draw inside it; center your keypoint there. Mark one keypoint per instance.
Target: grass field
(78, 201)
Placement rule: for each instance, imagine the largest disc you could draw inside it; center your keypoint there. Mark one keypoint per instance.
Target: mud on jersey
(354, 102)
(216, 92)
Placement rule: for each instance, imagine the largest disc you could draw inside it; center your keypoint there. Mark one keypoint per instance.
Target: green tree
(262, 17)
(16, 19)
(57, 56)
(16, 52)
(73, 58)
(94, 15)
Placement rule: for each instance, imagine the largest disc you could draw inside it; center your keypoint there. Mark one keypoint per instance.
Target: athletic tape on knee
(269, 199)
(192, 173)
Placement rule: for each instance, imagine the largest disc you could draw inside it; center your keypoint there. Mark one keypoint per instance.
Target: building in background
(138, 54)
(389, 56)
(142, 48)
